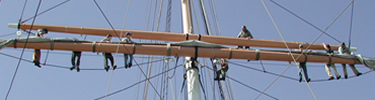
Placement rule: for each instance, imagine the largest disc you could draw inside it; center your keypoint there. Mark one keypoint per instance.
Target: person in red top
(36, 54)
(224, 68)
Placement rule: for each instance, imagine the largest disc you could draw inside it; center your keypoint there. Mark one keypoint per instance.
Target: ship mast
(192, 77)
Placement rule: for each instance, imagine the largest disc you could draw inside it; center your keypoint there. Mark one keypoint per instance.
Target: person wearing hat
(302, 65)
(345, 50)
(36, 54)
(128, 39)
(245, 34)
(329, 64)
(107, 56)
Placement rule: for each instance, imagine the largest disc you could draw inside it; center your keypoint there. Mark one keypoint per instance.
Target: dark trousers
(126, 57)
(75, 62)
(302, 66)
(106, 57)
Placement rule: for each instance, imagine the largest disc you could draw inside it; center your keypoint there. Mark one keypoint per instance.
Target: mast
(192, 77)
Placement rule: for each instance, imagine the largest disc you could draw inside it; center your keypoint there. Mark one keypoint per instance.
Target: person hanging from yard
(128, 39)
(345, 50)
(329, 64)
(224, 68)
(36, 54)
(302, 65)
(75, 62)
(245, 34)
(107, 56)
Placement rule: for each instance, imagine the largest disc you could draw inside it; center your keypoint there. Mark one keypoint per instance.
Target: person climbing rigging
(345, 50)
(302, 65)
(245, 34)
(75, 62)
(330, 53)
(224, 68)
(107, 56)
(36, 54)
(128, 39)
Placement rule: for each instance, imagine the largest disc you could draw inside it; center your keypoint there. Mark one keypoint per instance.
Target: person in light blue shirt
(128, 39)
(245, 34)
(345, 50)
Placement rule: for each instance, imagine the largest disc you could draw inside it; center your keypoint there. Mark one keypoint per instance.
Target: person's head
(243, 28)
(300, 46)
(42, 31)
(109, 36)
(328, 46)
(128, 34)
(343, 44)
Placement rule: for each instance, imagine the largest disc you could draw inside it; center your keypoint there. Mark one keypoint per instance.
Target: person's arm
(239, 35)
(250, 35)
(325, 46)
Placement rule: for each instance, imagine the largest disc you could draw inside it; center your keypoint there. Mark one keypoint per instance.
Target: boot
(106, 68)
(114, 67)
(73, 67)
(37, 63)
(330, 78)
(78, 69)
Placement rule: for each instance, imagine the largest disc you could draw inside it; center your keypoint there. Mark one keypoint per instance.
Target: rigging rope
(305, 21)
(247, 85)
(9, 34)
(351, 25)
(121, 90)
(23, 49)
(217, 26)
(45, 11)
(294, 59)
(65, 67)
(168, 17)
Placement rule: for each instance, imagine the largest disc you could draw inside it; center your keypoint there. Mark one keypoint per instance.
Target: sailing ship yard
(166, 38)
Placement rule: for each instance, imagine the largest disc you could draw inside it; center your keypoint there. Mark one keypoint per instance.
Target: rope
(23, 49)
(121, 90)
(9, 34)
(168, 17)
(351, 25)
(160, 9)
(67, 67)
(217, 26)
(23, 11)
(45, 11)
(247, 85)
(304, 20)
(294, 59)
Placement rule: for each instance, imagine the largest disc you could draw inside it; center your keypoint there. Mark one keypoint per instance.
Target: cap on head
(328, 46)
(243, 26)
(128, 33)
(343, 43)
(42, 31)
(109, 35)
(300, 46)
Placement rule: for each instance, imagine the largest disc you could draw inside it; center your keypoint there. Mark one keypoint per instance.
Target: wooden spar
(183, 51)
(170, 36)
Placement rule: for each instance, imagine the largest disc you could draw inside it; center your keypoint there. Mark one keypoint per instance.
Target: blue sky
(50, 82)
